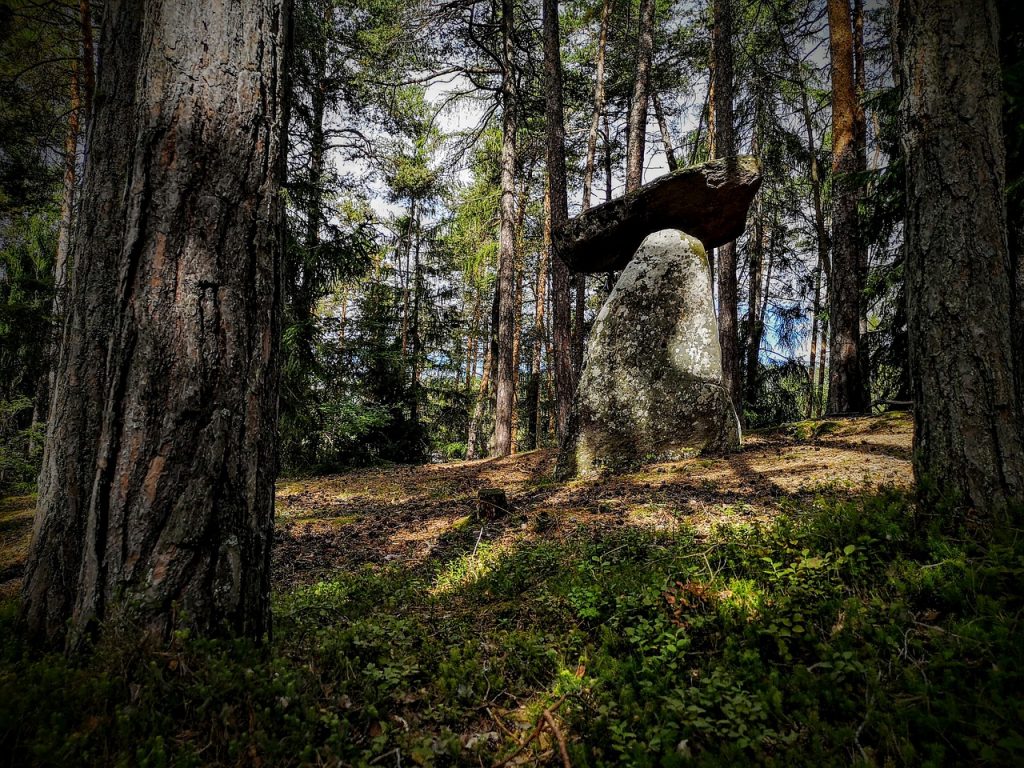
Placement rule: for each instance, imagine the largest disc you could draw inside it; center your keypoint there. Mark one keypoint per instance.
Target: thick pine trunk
(1011, 26)
(847, 391)
(724, 142)
(156, 496)
(637, 127)
(565, 384)
(506, 244)
(968, 438)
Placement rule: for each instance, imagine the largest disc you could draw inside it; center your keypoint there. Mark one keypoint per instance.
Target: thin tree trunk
(579, 336)
(637, 127)
(540, 294)
(725, 146)
(520, 258)
(471, 343)
(754, 324)
(417, 284)
(847, 389)
(822, 368)
(69, 188)
(565, 385)
(506, 243)
(815, 312)
(860, 134)
(704, 116)
(88, 56)
(475, 446)
(666, 136)
(821, 236)
(595, 120)
(405, 271)
(67, 203)
(968, 425)
(157, 489)
(608, 165)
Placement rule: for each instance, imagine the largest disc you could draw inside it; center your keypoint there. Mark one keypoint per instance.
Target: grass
(842, 633)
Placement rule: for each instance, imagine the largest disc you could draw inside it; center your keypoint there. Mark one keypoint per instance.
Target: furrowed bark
(968, 429)
(565, 384)
(506, 243)
(157, 490)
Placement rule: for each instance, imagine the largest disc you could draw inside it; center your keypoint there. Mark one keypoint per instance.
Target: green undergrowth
(839, 635)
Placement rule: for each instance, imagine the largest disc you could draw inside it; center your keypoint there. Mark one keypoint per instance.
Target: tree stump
(492, 503)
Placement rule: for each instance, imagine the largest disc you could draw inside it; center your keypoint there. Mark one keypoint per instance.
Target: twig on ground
(541, 722)
(479, 536)
(500, 724)
(559, 737)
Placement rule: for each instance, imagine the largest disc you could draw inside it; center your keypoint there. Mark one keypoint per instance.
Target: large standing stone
(651, 388)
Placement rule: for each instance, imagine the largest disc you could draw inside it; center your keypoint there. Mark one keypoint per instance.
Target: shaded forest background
(394, 218)
(843, 589)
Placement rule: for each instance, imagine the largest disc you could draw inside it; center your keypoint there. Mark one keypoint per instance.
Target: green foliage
(20, 446)
(781, 395)
(843, 633)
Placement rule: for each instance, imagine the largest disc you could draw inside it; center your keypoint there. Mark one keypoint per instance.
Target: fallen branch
(558, 736)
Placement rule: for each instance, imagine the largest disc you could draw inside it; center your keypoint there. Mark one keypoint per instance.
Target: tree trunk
(968, 429)
(506, 243)
(861, 148)
(595, 120)
(666, 136)
(815, 312)
(82, 87)
(476, 447)
(724, 142)
(848, 391)
(540, 296)
(579, 335)
(637, 128)
(156, 497)
(821, 369)
(471, 337)
(524, 196)
(755, 327)
(821, 235)
(565, 385)
(608, 165)
(1011, 28)
(414, 326)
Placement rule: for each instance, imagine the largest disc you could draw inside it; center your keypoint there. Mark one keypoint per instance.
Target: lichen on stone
(652, 383)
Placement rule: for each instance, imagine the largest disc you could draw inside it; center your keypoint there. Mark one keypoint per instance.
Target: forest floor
(788, 605)
(408, 515)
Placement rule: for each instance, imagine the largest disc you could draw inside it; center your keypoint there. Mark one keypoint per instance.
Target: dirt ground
(414, 514)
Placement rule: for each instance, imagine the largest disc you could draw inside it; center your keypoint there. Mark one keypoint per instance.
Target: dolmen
(652, 388)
